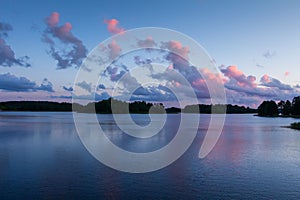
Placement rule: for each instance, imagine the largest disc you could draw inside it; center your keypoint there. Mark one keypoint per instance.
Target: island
(280, 109)
(295, 125)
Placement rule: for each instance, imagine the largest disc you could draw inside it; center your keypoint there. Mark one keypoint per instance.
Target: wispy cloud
(269, 54)
(70, 56)
(7, 55)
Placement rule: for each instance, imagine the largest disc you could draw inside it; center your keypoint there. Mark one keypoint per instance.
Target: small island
(295, 125)
(281, 109)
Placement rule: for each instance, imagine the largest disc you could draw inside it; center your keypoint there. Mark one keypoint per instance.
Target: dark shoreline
(295, 126)
(279, 116)
(120, 107)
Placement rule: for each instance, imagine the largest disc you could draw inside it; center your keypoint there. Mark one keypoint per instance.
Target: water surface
(41, 156)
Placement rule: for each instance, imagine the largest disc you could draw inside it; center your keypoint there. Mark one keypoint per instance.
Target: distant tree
(296, 106)
(287, 108)
(281, 105)
(268, 108)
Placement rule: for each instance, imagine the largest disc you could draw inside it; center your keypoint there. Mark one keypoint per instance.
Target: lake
(42, 157)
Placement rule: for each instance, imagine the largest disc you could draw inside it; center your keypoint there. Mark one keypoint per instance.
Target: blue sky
(258, 37)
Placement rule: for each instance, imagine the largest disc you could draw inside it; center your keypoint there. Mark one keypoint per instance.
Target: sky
(254, 44)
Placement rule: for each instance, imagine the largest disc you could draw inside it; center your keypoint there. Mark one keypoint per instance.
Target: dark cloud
(74, 53)
(9, 82)
(7, 55)
(89, 97)
(114, 73)
(86, 86)
(153, 94)
(141, 62)
(46, 86)
(69, 89)
(101, 86)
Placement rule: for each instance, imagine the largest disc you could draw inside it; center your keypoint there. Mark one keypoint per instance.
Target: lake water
(42, 157)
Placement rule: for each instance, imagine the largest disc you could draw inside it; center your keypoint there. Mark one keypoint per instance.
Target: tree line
(282, 108)
(111, 105)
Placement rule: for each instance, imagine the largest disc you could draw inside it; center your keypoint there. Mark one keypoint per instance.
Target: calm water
(41, 156)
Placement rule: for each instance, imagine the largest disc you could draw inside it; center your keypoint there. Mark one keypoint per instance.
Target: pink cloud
(178, 54)
(177, 48)
(233, 73)
(286, 73)
(265, 79)
(112, 26)
(114, 50)
(170, 67)
(207, 75)
(65, 58)
(53, 19)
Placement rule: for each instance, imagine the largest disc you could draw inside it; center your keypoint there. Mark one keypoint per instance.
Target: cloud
(178, 54)
(115, 72)
(92, 96)
(238, 77)
(287, 73)
(141, 62)
(89, 97)
(9, 82)
(244, 86)
(86, 86)
(244, 89)
(114, 50)
(46, 86)
(101, 86)
(61, 97)
(259, 65)
(269, 54)
(69, 89)
(7, 55)
(113, 26)
(146, 43)
(151, 93)
(111, 51)
(274, 83)
(70, 56)
(4, 29)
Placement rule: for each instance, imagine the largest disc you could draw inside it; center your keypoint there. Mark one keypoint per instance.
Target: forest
(111, 105)
(282, 108)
